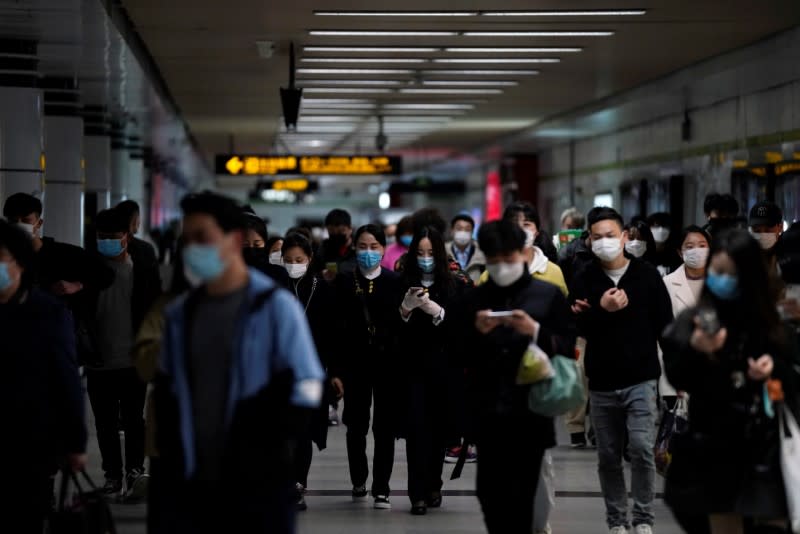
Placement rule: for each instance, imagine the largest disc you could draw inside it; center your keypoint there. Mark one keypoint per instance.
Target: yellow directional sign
(257, 165)
(234, 165)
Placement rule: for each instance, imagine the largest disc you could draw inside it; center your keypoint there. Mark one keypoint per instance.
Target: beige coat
(683, 298)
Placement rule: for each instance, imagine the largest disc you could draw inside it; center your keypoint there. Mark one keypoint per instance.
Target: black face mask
(255, 257)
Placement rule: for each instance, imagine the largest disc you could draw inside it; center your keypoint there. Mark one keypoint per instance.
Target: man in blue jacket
(239, 377)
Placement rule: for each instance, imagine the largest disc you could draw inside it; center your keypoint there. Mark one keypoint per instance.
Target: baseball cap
(765, 213)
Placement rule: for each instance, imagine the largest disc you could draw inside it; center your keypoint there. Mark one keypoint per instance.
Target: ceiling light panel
(397, 13)
(363, 60)
(568, 13)
(440, 91)
(372, 49)
(390, 83)
(474, 83)
(348, 90)
(354, 71)
(498, 60)
(568, 33)
(480, 72)
(383, 33)
(429, 106)
(512, 50)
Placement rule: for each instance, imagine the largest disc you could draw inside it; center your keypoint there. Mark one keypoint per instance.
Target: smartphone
(501, 314)
(709, 321)
(332, 267)
(418, 291)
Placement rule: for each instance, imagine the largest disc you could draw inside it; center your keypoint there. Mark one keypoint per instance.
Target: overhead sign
(261, 165)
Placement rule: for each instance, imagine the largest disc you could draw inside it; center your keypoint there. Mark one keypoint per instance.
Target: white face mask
(530, 237)
(636, 248)
(660, 234)
(607, 249)
(767, 240)
(27, 228)
(695, 258)
(296, 270)
(505, 274)
(276, 258)
(462, 238)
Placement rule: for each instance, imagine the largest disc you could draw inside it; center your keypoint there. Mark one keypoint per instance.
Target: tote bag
(559, 394)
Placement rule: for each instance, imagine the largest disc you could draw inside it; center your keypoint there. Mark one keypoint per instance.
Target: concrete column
(97, 153)
(21, 123)
(120, 166)
(64, 173)
(136, 182)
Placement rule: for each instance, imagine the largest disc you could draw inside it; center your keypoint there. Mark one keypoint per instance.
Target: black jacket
(574, 257)
(493, 359)
(622, 347)
(258, 258)
(345, 259)
(41, 388)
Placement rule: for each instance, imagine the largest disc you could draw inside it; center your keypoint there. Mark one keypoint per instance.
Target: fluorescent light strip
(596, 33)
(429, 106)
(498, 60)
(393, 83)
(396, 13)
(489, 83)
(354, 71)
(513, 50)
(335, 90)
(379, 49)
(424, 91)
(570, 13)
(480, 72)
(363, 60)
(325, 101)
(383, 33)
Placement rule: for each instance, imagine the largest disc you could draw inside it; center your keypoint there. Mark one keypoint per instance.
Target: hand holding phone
(499, 314)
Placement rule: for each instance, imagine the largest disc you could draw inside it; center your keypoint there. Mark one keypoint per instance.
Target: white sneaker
(545, 530)
(643, 529)
(618, 530)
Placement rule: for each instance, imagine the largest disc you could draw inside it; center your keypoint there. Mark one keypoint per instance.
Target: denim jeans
(634, 410)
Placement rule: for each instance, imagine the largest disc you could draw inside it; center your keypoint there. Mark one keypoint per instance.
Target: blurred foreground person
(41, 389)
(734, 357)
(236, 354)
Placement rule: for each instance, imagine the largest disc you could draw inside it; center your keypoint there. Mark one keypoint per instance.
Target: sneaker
(112, 488)
(472, 454)
(618, 530)
(643, 529)
(451, 456)
(136, 483)
(545, 530)
(435, 500)
(382, 502)
(333, 416)
(419, 508)
(577, 440)
(360, 494)
(300, 492)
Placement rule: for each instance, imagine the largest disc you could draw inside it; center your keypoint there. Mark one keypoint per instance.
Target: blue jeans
(613, 412)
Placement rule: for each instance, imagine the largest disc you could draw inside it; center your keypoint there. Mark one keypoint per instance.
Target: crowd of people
(228, 379)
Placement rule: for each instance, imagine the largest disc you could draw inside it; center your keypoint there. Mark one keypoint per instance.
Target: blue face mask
(368, 259)
(426, 264)
(723, 286)
(5, 276)
(405, 240)
(110, 248)
(204, 262)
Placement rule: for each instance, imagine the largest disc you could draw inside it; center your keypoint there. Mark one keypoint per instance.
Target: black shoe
(300, 493)
(382, 502)
(435, 500)
(577, 440)
(136, 483)
(112, 489)
(360, 494)
(419, 508)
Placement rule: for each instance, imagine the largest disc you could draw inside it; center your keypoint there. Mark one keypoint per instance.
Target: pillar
(120, 165)
(21, 122)
(136, 181)
(64, 173)
(97, 154)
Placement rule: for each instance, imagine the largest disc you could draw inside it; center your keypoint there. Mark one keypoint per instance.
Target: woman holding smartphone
(430, 288)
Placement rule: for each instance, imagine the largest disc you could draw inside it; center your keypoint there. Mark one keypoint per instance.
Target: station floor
(579, 504)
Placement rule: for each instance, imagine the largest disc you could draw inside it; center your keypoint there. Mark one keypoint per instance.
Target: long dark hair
(756, 310)
(412, 274)
(647, 236)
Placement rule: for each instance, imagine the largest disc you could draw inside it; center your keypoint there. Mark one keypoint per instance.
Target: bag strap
(365, 308)
(462, 460)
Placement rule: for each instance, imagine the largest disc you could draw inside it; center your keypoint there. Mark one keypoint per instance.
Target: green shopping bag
(559, 394)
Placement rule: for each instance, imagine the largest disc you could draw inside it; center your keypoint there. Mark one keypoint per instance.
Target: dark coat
(345, 259)
(494, 359)
(622, 347)
(574, 257)
(716, 465)
(41, 388)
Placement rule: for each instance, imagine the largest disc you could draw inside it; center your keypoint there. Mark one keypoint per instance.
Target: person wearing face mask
(465, 249)
(622, 307)
(336, 254)
(641, 243)
(428, 375)
(724, 352)
(42, 390)
(405, 233)
(367, 303)
(236, 353)
(766, 226)
(140, 250)
(116, 392)
(256, 251)
(316, 298)
(527, 216)
(492, 348)
(661, 227)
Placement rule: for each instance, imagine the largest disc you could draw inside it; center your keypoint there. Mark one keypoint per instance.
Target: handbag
(674, 423)
(790, 464)
(559, 394)
(87, 512)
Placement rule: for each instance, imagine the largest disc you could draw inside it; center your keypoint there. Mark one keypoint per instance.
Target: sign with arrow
(263, 165)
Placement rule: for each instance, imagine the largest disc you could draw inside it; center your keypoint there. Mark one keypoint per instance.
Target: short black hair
(405, 226)
(224, 210)
(726, 206)
(500, 237)
(429, 218)
(303, 231)
(272, 240)
(338, 217)
(463, 217)
(596, 215)
(693, 229)
(255, 223)
(19, 245)
(661, 219)
(128, 208)
(296, 239)
(373, 229)
(21, 205)
(111, 221)
(526, 209)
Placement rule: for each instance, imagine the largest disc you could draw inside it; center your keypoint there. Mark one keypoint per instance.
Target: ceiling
(229, 95)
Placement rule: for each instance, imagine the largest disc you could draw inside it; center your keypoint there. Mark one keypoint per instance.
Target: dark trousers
(359, 393)
(506, 482)
(425, 440)
(118, 395)
(303, 452)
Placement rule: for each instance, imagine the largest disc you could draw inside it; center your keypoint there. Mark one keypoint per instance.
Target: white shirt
(540, 261)
(617, 274)
(372, 275)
